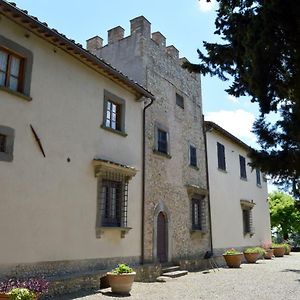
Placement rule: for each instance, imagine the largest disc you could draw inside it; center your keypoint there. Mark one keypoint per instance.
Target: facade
(71, 160)
(176, 218)
(238, 195)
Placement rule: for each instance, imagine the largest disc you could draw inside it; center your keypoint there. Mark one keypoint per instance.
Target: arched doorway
(162, 245)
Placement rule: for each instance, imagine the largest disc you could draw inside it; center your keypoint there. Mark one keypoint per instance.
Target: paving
(278, 278)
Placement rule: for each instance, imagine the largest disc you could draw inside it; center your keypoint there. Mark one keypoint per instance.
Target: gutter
(143, 178)
(207, 180)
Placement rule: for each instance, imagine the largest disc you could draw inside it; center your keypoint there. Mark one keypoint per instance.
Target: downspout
(207, 181)
(143, 177)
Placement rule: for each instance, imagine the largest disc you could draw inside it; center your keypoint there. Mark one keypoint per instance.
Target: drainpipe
(143, 177)
(207, 180)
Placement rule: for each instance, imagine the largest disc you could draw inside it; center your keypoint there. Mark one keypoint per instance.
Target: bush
(21, 294)
(122, 269)
(259, 250)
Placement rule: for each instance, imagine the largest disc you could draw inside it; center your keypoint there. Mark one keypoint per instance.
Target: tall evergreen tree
(261, 52)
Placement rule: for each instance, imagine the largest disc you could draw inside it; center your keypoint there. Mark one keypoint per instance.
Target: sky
(185, 24)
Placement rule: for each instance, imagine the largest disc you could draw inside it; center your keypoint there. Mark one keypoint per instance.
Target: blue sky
(185, 24)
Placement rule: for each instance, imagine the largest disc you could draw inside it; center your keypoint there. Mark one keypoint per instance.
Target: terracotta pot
(121, 283)
(279, 251)
(251, 257)
(269, 254)
(233, 260)
(287, 250)
(4, 296)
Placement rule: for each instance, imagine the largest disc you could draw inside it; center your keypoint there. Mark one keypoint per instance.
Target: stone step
(170, 269)
(175, 274)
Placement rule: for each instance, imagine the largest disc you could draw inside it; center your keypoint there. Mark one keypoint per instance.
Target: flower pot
(4, 296)
(269, 254)
(251, 257)
(233, 260)
(121, 283)
(279, 251)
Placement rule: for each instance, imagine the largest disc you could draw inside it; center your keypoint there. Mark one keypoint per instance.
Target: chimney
(93, 44)
(140, 25)
(172, 51)
(159, 39)
(115, 34)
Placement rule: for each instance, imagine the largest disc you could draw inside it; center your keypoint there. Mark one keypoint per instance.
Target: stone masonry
(170, 182)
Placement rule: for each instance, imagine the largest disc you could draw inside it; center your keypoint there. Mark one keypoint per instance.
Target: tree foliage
(261, 53)
(285, 216)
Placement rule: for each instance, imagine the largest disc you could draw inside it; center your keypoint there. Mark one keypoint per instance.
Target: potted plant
(278, 250)
(121, 279)
(35, 286)
(233, 258)
(287, 248)
(21, 294)
(267, 246)
(253, 254)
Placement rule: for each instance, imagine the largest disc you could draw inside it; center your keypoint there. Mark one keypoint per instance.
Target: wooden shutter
(243, 173)
(221, 156)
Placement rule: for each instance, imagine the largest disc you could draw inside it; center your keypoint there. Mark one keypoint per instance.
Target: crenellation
(140, 25)
(115, 34)
(94, 44)
(172, 51)
(159, 38)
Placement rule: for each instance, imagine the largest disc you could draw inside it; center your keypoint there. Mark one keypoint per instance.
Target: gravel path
(278, 278)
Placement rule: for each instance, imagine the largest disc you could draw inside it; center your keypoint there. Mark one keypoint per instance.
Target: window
(162, 141)
(193, 156)
(112, 200)
(15, 67)
(247, 207)
(221, 157)
(258, 179)
(179, 100)
(243, 172)
(11, 70)
(114, 113)
(198, 213)
(6, 143)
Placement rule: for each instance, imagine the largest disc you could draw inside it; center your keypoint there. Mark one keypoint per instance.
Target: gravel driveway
(278, 278)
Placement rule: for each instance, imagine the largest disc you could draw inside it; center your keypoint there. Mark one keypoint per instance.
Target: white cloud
(238, 122)
(205, 6)
(233, 99)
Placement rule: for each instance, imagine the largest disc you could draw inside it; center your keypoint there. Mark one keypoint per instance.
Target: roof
(34, 25)
(213, 126)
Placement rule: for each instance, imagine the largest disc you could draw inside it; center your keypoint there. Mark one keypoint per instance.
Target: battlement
(139, 26)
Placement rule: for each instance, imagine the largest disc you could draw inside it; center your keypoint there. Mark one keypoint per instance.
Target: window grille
(198, 214)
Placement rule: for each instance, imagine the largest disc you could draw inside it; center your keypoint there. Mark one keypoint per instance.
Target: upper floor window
(221, 157)
(243, 172)
(15, 67)
(114, 113)
(6, 143)
(179, 100)
(11, 70)
(193, 156)
(258, 178)
(162, 141)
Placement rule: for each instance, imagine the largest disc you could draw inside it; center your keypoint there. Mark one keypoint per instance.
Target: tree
(261, 53)
(284, 214)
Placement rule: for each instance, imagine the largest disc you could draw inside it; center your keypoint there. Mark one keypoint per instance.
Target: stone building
(176, 216)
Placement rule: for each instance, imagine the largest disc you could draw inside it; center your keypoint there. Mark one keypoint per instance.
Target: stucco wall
(48, 205)
(226, 192)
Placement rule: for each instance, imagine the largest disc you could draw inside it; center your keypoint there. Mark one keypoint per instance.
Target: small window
(198, 214)
(247, 221)
(243, 172)
(258, 178)
(193, 156)
(162, 141)
(6, 143)
(179, 100)
(15, 67)
(221, 157)
(113, 113)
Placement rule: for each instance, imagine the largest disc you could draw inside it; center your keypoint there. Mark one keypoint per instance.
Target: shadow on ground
(291, 270)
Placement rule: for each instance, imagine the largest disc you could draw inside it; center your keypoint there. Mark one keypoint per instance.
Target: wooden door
(161, 238)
